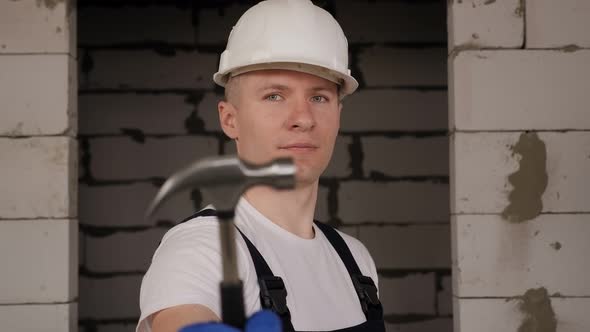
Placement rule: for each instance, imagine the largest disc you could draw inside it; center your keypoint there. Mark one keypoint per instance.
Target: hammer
(224, 180)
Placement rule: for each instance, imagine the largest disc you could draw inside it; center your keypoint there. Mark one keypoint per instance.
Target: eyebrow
(282, 87)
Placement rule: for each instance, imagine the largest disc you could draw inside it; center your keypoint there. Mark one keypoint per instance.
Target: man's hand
(262, 321)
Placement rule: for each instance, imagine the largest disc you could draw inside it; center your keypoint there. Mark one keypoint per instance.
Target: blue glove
(262, 321)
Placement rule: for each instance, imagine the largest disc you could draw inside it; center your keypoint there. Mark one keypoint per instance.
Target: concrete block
(409, 247)
(394, 110)
(125, 205)
(321, 211)
(519, 90)
(434, 324)
(215, 24)
(487, 176)
(117, 327)
(31, 26)
(551, 25)
(496, 258)
(134, 251)
(491, 315)
(120, 158)
(484, 23)
(445, 297)
(406, 156)
(151, 114)
(45, 268)
(339, 165)
(140, 69)
(412, 294)
(350, 230)
(110, 298)
(38, 94)
(58, 317)
(207, 110)
(403, 67)
(150, 23)
(393, 202)
(39, 177)
(389, 21)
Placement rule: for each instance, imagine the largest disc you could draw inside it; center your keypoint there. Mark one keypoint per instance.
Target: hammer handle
(232, 304)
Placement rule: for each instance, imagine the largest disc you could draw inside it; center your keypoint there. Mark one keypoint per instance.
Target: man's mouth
(299, 147)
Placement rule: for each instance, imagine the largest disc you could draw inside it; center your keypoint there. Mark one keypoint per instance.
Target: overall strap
(364, 286)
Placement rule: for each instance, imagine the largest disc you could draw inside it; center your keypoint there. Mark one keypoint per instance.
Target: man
(285, 70)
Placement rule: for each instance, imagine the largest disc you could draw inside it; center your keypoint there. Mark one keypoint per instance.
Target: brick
(149, 24)
(120, 158)
(339, 165)
(395, 67)
(550, 26)
(491, 315)
(38, 94)
(45, 268)
(497, 258)
(435, 324)
(393, 202)
(117, 327)
(38, 27)
(394, 110)
(215, 24)
(483, 23)
(39, 177)
(134, 251)
(387, 21)
(125, 205)
(445, 297)
(406, 156)
(350, 230)
(207, 110)
(483, 163)
(321, 211)
(110, 298)
(47, 317)
(412, 294)
(138, 69)
(505, 90)
(409, 247)
(152, 114)
(81, 249)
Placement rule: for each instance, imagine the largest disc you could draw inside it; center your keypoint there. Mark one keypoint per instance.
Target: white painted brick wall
(215, 24)
(412, 294)
(152, 114)
(391, 21)
(125, 205)
(484, 23)
(406, 156)
(401, 202)
(31, 26)
(340, 164)
(398, 110)
(436, 324)
(39, 317)
(505, 259)
(445, 297)
(39, 177)
(134, 250)
(48, 106)
(321, 210)
(518, 90)
(492, 315)
(208, 111)
(394, 67)
(483, 162)
(39, 261)
(552, 25)
(408, 247)
(113, 69)
(148, 24)
(120, 158)
(109, 298)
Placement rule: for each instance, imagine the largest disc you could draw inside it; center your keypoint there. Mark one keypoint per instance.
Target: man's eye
(319, 99)
(273, 97)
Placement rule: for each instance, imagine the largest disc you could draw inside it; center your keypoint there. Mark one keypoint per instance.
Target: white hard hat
(287, 34)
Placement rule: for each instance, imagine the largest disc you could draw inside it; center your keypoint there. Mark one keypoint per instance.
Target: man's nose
(302, 117)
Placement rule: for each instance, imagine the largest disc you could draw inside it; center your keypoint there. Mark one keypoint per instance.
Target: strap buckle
(273, 294)
(366, 290)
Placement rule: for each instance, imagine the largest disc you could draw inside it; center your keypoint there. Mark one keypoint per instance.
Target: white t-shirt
(186, 269)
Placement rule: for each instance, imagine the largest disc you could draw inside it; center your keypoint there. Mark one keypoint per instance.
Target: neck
(292, 210)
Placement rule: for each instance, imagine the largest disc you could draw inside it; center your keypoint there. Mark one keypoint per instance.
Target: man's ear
(228, 119)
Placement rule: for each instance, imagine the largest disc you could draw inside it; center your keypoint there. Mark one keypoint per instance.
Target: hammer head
(225, 178)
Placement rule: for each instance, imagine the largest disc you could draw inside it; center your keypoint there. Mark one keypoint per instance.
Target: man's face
(278, 113)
